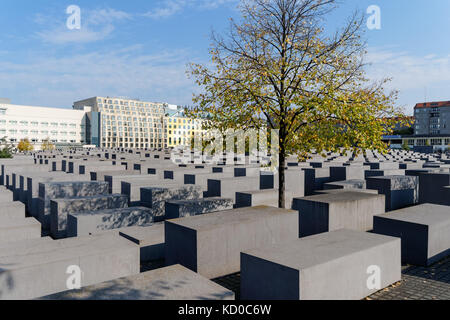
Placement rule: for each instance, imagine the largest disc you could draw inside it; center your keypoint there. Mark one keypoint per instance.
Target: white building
(61, 126)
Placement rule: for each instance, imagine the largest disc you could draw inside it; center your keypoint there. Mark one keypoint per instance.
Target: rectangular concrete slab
(332, 211)
(87, 223)
(169, 283)
(210, 244)
(424, 230)
(100, 258)
(331, 266)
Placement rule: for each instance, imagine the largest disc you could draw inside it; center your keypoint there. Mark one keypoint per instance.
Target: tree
(6, 149)
(25, 145)
(405, 146)
(47, 145)
(279, 66)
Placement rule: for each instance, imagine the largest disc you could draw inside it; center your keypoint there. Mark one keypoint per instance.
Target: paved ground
(418, 283)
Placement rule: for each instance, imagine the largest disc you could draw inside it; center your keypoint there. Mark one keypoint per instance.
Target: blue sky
(140, 48)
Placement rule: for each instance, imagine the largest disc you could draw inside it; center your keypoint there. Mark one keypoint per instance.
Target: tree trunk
(281, 179)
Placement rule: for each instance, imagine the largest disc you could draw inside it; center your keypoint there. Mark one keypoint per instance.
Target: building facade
(100, 121)
(60, 126)
(432, 119)
(181, 130)
(431, 128)
(127, 123)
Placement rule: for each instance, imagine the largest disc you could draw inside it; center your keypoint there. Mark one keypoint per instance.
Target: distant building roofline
(433, 104)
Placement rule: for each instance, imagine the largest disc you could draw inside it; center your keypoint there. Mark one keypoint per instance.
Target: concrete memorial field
(125, 224)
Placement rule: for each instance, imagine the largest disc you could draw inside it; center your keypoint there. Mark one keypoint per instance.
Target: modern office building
(59, 125)
(122, 122)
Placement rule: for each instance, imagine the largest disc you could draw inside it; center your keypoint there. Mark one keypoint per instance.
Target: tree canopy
(280, 67)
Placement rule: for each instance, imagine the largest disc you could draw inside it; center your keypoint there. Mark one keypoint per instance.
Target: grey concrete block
(346, 184)
(329, 212)
(210, 244)
(58, 190)
(12, 210)
(91, 222)
(184, 208)
(156, 197)
(12, 230)
(169, 283)
(41, 269)
(328, 266)
(60, 208)
(432, 186)
(400, 191)
(424, 230)
(227, 187)
(149, 239)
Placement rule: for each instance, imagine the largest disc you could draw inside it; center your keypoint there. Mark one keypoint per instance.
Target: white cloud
(172, 7)
(95, 25)
(57, 81)
(413, 75)
(169, 9)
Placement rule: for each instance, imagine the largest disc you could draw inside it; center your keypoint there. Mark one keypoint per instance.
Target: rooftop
(433, 104)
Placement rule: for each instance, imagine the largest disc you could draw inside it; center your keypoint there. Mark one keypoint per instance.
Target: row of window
(15, 131)
(130, 103)
(35, 123)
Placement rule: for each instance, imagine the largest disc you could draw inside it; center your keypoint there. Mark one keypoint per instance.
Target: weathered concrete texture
(32, 187)
(333, 211)
(39, 269)
(184, 208)
(149, 239)
(169, 283)
(156, 197)
(329, 266)
(90, 222)
(132, 189)
(58, 190)
(60, 208)
(210, 244)
(424, 230)
(400, 191)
